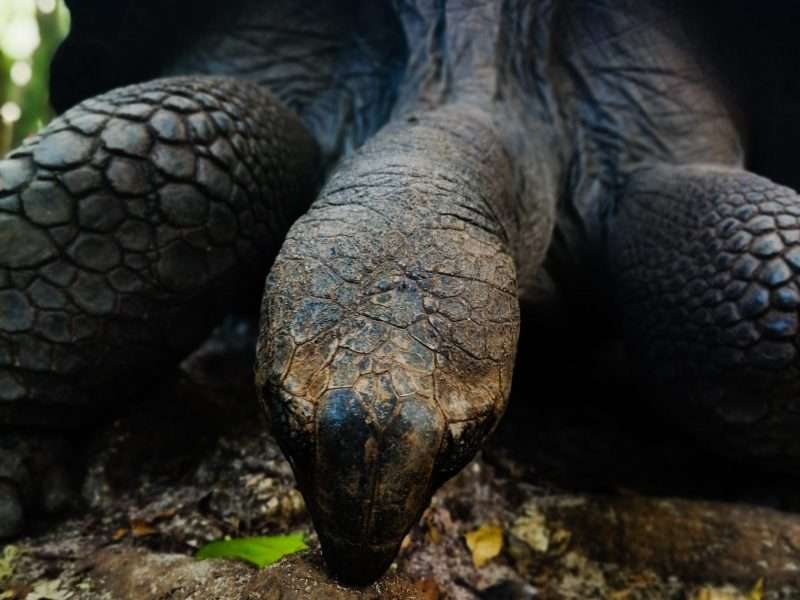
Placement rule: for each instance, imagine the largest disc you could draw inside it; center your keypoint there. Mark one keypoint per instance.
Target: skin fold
(429, 167)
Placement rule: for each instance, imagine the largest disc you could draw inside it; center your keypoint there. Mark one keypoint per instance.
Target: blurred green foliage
(30, 31)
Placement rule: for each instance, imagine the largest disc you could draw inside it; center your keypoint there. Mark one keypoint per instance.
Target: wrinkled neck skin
(411, 56)
(577, 92)
(477, 54)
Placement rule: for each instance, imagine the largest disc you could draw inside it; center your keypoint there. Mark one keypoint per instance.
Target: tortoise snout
(372, 474)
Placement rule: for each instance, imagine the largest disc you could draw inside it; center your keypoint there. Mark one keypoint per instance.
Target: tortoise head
(389, 328)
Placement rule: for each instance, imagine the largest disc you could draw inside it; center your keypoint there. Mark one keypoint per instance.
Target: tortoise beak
(369, 478)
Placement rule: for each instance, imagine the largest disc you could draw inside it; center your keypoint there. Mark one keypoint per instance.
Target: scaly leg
(706, 261)
(125, 228)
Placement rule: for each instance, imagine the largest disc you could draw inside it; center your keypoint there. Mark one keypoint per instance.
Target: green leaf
(7, 563)
(260, 551)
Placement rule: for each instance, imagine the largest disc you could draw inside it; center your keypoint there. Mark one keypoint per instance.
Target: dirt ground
(580, 500)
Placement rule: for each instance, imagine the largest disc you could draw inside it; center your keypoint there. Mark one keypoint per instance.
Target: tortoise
(409, 177)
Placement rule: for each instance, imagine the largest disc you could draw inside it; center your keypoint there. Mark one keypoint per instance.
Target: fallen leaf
(722, 593)
(140, 528)
(485, 543)
(532, 529)
(7, 562)
(119, 534)
(48, 590)
(434, 534)
(428, 589)
(260, 551)
(757, 593)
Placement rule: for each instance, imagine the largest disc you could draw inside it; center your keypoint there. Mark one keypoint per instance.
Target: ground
(585, 500)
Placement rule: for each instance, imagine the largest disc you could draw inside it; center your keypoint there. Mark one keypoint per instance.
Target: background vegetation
(30, 31)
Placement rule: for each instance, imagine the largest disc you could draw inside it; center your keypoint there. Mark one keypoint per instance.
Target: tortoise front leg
(707, 263)
(389, 330)
(125, 227)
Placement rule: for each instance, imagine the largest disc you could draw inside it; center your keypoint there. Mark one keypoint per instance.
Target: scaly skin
(123, 229)
(524, 151)
(126, 227)
(707, 260)
(390, 329)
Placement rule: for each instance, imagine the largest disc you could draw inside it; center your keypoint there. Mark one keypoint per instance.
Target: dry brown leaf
(165, 514)
(140, 528)
(428, 589)
(434, 534)
(119, 534)
(485, 543)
